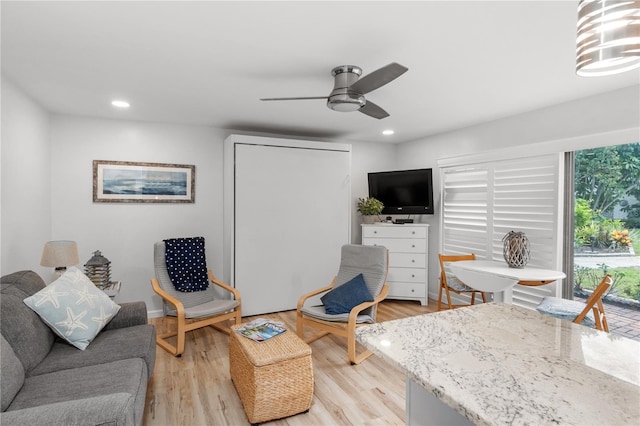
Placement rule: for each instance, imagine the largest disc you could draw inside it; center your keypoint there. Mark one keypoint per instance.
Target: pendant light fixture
(608, 39)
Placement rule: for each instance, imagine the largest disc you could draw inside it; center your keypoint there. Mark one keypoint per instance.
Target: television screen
(403, 191)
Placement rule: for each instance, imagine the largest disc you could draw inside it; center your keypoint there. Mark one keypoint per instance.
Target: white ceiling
(208, 63)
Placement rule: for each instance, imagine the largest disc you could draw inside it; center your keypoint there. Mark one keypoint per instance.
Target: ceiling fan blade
(378, 78)
(373, 110)
(293, 99)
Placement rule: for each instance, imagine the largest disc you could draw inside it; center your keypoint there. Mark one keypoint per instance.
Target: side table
(273, 378)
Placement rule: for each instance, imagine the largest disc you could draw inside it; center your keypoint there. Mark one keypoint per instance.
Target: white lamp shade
(608, 40)
(60, 254)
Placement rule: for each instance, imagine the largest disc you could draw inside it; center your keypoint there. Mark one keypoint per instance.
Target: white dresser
(408, 250)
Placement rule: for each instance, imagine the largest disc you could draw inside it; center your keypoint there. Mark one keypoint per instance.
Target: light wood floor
(196, 389)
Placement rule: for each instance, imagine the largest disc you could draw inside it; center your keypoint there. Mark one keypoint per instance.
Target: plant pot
(369, 219)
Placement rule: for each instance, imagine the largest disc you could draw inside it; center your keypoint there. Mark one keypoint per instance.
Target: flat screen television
(403, 191)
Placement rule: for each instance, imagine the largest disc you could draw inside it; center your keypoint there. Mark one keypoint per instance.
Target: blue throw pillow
(343, 298)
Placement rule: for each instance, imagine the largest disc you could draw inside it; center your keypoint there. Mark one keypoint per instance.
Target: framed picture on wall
(131, 182)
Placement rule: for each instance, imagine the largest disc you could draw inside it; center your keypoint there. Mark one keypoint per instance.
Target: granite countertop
(498, 364)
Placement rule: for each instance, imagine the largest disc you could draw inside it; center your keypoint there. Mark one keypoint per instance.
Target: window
(481, 202)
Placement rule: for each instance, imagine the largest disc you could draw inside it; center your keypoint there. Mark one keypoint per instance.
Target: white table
(501, 364)
(498, 278)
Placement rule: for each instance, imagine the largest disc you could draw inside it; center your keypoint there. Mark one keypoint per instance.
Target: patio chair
(351, 300)
(449, 283)
(193, 309)
(591, 313)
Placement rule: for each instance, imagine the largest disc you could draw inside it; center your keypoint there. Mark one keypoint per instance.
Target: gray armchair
(192, 310)
(370, 261)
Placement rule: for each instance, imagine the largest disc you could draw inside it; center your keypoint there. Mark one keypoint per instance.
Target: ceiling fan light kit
(349, 89)
(341, 98)
(608, 39)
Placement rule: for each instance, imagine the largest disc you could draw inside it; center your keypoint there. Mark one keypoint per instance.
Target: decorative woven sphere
(516, 249)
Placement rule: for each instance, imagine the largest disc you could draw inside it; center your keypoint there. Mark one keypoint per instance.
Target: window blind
(482, 202)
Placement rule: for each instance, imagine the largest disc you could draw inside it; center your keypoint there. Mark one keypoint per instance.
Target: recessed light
(388, 132)
(120, 104)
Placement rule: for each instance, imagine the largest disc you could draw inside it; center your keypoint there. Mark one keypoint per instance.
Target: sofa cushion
(11, 374)
(29, 337)
(27, 281)
(125, 376)
(110, 345)
(115, 410)
(74, 308)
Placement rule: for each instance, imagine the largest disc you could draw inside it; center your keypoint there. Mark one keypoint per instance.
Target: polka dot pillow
(186, 263)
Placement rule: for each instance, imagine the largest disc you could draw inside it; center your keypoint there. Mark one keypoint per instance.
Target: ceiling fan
(349, 89)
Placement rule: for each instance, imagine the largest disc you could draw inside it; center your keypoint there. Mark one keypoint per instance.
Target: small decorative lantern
(98, 270)
(516, 249)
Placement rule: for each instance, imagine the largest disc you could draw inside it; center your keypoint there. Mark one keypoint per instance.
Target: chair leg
(446, 289)
(440, 298)
(352, 356)
(181, 336)
(484, 297)
(299, 325)
(473, 298)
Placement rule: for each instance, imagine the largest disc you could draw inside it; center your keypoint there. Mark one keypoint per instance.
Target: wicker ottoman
(274, 378)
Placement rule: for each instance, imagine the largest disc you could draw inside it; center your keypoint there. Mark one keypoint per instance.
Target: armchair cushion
(565, 309)
(74, 308)
(341, 299)
(454, 283)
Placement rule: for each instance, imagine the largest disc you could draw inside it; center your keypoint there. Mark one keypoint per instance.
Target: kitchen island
(498, 364)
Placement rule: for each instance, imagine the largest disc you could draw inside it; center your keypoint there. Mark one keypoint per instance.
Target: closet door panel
(291, 218)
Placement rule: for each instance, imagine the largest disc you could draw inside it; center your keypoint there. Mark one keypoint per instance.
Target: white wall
(124, 232)
(365, 158)
(46, 180)
(608, 119)
(47, 190)
(25, 182)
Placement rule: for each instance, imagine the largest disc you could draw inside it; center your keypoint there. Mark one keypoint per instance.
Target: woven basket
(274, 378)
(516, 249)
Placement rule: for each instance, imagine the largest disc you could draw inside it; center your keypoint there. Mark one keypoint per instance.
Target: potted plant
(369, 208)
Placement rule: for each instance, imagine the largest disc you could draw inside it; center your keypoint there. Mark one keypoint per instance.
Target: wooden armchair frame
(594, 304)
(445, 287)
(186, 324)
(344, 329)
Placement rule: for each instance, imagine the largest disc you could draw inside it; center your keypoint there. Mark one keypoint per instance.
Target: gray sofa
(44, 380)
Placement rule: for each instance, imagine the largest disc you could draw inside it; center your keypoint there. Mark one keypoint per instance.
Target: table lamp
(60, 254)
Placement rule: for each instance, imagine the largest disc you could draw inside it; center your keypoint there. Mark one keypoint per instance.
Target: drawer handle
(413, 290)
(413, 261)
(413, 245)
(375, 232)
(413, 275)
(413, 232)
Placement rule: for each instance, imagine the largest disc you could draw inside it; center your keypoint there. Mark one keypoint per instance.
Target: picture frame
(136, 182)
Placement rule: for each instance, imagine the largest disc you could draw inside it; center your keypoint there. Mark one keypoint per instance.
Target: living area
(49, 144)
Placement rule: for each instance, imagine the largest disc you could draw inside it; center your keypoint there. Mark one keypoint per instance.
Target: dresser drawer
(407, 274)
(401, 245)
(407, 260)
(410, 290)
(397, 231)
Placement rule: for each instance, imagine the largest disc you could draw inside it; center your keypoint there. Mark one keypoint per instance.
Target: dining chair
(351, 300)
(591, 313)
(450, 283)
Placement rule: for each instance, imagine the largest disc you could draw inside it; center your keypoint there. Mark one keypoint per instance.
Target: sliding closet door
(292, 215)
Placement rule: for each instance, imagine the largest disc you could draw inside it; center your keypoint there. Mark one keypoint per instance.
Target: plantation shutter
(481, 202)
